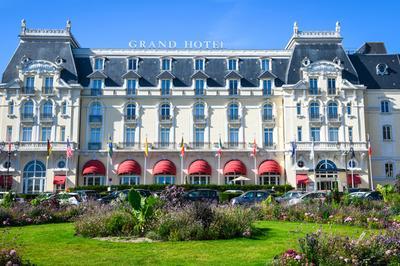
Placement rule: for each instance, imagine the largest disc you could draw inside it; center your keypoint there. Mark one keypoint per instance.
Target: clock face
(300, 164)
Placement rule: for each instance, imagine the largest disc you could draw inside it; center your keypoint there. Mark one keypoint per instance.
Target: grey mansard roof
(317, 52)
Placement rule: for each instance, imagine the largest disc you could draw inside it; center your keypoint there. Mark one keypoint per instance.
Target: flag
(9, 146)
(312, 150)
(254, 151)
(369, 146)
(352, 153)
(146, 148)
(49, 148)
(182, 148)
(69, 151)
(293, 149)
(110, 147)
(219, 151)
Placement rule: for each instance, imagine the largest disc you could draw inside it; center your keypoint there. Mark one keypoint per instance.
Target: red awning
(94, 167)
(302, 179)
(235, 167)
(59, 180)
(357, 179)
(129, 167)
(164, 167)
(269, 166)
(199, 167)
(4, 178)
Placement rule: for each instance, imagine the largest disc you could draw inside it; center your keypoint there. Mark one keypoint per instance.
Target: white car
(310, 196)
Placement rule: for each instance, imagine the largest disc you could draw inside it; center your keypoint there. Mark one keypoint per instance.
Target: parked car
(202, 195)
(352, 190)
(234, 191)
(310, 196)
(122, 194)
(370, 195)
(65, 198)
(87, 195)
(293, 194)
(250, 197)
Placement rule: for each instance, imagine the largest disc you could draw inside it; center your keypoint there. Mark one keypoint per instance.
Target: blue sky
(257, 24)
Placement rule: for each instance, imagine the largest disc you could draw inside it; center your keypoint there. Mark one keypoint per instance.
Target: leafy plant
(8, 199)
(143, 209)
(386, 191)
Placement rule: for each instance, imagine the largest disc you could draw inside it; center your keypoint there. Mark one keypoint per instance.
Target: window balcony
(201, 119)
(95, 119)
(46, 118)
(199, 145)
(332, 92)
(334, 118)
(234, 119)
(164, 145)
(165, 119)
(128, 146)
(95, 92)
(336, 146)
(94, 145)
(130, 119)
(269, 146)
(27, 117)
(28, 91)
(316, 118)
(314, 91)
(49, 91)
(268, 119)
(235, 145)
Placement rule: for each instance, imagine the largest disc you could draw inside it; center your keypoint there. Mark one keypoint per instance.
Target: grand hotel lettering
(171, 44)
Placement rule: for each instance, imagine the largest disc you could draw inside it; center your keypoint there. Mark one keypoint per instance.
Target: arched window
(27, 109)
(11, 107)
(332, 110)
(314, 110)
(267, 112)
(64, 108)
(47, 110)
(199, 111)
(326, 166)
(34, 177)
(233, 111)
(348, 108)
(131, 111)
(165, 111)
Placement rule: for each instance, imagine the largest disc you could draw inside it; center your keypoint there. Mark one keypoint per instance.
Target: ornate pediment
(39, 67)
(323, 67)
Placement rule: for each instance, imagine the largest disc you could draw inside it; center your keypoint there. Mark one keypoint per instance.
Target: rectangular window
(265, 64)
(199, 64)
(165, 86)
(233, 87)
(164, 135)
(232, 64)
(131, 87)
(348, 107)
(9, 133)
(95, 134)
(30, 85)
(350, 134)
(166, 64)
(48, 85)
(389, 169)
(298, 108)
(268, 137)
(313, 90)
(315, 134)
(199, 87)
(130, 135)
(233, 137)
(333, 134)
(331, 86)
(132, 64)
(267, 87)
(199, 136)
(384, 106)
(62, 133)
(387, 132)
(99, 64)
(27, 134)
(299, 134)
(46, 133)
(97, 85)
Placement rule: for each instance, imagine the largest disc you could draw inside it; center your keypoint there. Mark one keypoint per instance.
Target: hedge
(157, 187)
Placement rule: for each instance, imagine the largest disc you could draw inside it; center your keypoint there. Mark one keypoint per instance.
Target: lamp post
(9, 153)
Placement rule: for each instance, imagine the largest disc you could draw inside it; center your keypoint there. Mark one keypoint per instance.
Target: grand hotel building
(311, 97)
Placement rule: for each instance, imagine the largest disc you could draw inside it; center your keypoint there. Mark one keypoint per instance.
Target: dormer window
(98, 64)
(265, 64)
(165, 87)
(132, 64)
(131, 86)
(199, 64)
(233, 86)
(199, 87)
(97, 85)
(381, 69)
(232, 64)
(267, 87)
(166, 64)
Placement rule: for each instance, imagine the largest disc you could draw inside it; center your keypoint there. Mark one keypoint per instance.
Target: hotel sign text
(141, 44)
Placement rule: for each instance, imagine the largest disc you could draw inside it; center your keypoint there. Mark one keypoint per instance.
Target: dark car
(202, 195)
(370, 195)
(250, 197)
(87, 195)
(123, 194)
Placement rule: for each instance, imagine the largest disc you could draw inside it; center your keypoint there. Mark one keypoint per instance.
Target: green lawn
(55, 244)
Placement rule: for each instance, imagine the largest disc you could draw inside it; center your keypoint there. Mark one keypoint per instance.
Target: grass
(55, 244)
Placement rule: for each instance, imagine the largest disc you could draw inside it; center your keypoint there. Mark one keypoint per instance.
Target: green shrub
(226, 197)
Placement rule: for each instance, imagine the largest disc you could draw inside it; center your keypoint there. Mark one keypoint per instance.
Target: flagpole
(182, 181)
(315, 173)
(370, 164)
(66, 174)
(219, 169)
(255, 170)
(145, 170)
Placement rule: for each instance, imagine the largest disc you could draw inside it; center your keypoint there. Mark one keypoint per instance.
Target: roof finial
(337, 27)
(295, 28)
(23, 26)
(68, 27)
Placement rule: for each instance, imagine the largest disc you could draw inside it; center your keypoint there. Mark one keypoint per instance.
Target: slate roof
(165, 75)
(97, 75)
(200, 75)
(317, 52)
(233, 75)
(131, 75)
(372, 48)
(266, 75)
(366, 68)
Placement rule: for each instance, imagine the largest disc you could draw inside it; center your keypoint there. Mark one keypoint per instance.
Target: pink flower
(13, 252)
(348, 219)
(298, 257)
